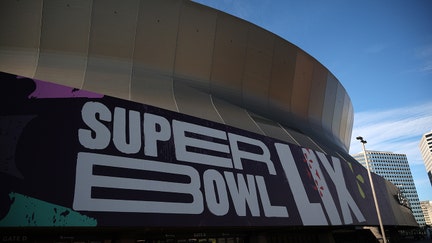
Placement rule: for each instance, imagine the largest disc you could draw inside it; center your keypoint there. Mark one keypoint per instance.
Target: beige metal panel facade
(112, 34)
(20, 24)
(193, 102)
(156, 51)
(303, 140)
(235, 116)
(283, 69)
(229, 57)
(153, 89)
(338, 109)
(273, 129)
(153, 57)
(302, 85)
(329, 103)
(344, 119)
(257, 69)
(64, 41)
(113, 28)
(195, 43)
(140, 49)
(109, 77)
(350, 123)
(317, 94)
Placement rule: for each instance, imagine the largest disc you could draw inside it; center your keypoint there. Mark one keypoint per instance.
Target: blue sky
(381, 52)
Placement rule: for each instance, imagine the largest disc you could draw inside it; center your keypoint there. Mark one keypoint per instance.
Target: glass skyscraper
(395, 168)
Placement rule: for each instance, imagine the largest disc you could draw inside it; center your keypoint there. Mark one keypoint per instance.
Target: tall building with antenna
(395, 168)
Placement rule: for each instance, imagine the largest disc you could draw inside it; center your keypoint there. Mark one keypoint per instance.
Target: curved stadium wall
(243, 93)
(180, 56)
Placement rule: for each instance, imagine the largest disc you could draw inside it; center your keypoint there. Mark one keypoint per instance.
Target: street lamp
(372, 187)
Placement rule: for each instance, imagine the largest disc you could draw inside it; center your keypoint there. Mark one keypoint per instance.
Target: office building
(426, 151)
(395, 168)
(426, 207)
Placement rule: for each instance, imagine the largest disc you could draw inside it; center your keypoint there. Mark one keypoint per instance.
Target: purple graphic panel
(46, 90)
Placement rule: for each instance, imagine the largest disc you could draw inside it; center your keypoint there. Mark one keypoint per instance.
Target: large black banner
(75, 158)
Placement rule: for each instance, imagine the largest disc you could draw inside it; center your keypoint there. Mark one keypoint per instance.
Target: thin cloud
(427, 68)
(424, 53)
(396, 130)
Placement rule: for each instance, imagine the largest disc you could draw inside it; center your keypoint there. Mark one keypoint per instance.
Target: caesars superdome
(166, 114)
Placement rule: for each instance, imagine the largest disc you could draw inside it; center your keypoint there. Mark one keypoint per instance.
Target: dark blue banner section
(75, 158)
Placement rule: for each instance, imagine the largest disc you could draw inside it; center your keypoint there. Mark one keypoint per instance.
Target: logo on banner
(177, 167)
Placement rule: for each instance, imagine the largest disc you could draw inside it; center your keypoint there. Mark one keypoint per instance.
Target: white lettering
(242, 193)
(321, 186)
(269, 210)
(178, 189)
(119, 131)
(86, 180)
(156, 128)
(182, 142)
(310, 213)
(215, 192)
(238, 154)
(99, 136)
(345, 199)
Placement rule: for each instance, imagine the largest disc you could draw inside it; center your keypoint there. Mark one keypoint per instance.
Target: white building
(426, 207)
(395, 168)
(426, 151)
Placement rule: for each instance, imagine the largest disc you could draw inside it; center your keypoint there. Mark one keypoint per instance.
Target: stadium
(169, 121)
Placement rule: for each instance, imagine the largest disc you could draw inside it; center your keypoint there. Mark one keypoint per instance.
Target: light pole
(372, 187)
